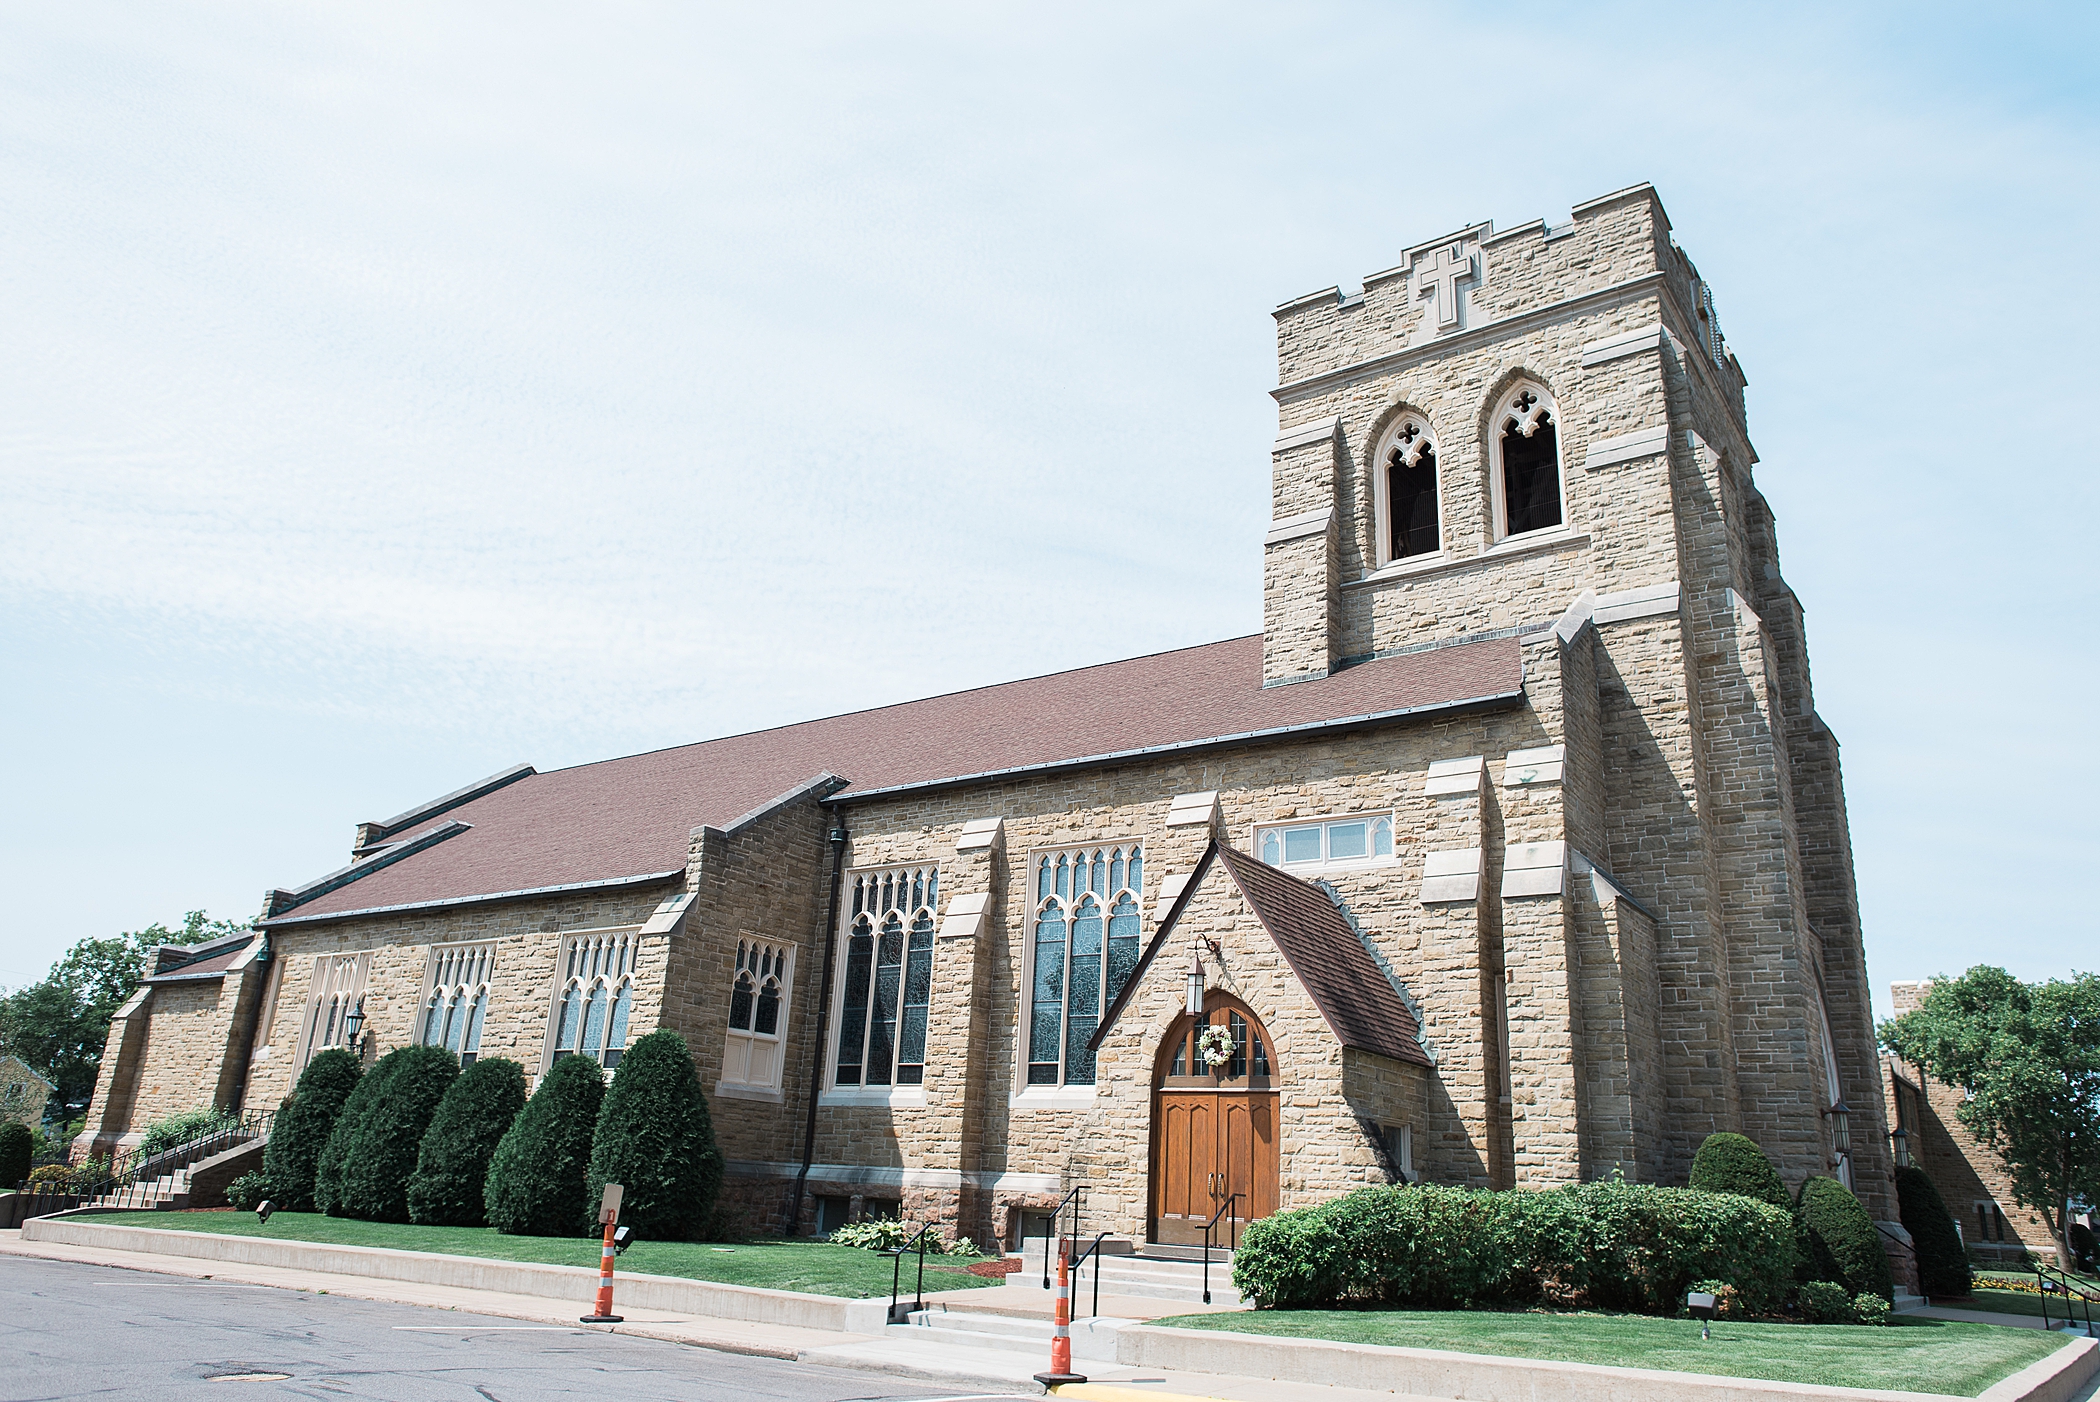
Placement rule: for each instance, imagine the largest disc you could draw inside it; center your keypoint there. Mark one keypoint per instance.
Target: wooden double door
(1214, 1146)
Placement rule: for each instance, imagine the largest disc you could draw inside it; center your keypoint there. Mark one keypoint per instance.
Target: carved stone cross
(1438, 276)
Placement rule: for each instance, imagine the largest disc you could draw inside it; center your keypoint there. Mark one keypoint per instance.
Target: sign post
(609, 1214)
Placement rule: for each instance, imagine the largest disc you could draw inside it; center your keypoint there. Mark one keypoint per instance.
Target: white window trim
(559, 984)
(1259, 830)
(487, 986)
(829, 1091)
(785, 952)
(1024, 1093)
(345, 978)
(1498, 516)
(1382, 547)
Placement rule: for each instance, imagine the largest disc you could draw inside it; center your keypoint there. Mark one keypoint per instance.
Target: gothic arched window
(1408, 490)
(595, 996)
(1526, 437)
(757, 992)
(1085, 937)
(888, 988)
(457, 998)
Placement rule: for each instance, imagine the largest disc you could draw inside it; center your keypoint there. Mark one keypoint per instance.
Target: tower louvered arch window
(457, 999)
(888, 989)
(595, 996)
(1527, 462)
(1413, 519)
(1085, 942)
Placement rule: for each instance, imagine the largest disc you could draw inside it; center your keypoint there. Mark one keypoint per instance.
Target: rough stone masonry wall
(768, 881)
(527, 934)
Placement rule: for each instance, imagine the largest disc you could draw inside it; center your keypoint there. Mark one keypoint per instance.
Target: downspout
(816, 1077)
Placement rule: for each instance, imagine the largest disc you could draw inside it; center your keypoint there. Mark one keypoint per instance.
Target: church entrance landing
(1213, 1126)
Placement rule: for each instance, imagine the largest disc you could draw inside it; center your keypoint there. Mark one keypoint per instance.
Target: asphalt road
(78, 1331)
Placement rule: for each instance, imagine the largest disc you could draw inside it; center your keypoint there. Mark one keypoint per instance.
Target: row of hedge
(415, 1139)
(1604, 1245)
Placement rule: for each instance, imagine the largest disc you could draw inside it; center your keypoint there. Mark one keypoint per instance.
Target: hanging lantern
(1840, 1130)
(1195, 988)
(1899, 1146)
(354, 1024)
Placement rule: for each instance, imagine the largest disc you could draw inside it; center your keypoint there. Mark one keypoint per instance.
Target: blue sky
(391, 394)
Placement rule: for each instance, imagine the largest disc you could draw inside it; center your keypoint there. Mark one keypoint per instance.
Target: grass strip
(810, 1267)
(1916, 1355)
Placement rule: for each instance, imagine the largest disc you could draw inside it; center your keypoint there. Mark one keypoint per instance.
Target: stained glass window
(1085, 937)
(596, 992)
(457, 997)
(888, 990)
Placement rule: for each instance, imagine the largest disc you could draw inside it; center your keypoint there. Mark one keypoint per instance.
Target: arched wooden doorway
(1213, 1132)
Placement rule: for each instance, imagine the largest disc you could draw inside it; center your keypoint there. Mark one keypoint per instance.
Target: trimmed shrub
(303, 1125)
(1826, 1302)
(1612, 1245)
(17, 1148)
(1871, 1309)
(536, 1184)
(249, 1191)
(654, 1137)
(1732, 1163)
(178, 1130)
(1842, 1242)
(452, 1166)
(1943, 1267)
(380, 1137)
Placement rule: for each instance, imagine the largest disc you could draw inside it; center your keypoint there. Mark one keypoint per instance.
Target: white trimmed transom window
(456, 998)
(889, 978)
(593, 996)
(1084, 942)
(1327, 842)
(757, 1014)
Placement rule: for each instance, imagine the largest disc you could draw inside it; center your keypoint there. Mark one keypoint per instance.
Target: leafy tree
(536, 1180)
(380, 1137)
(1843, 1243)
(2028, 1056)
(452, 1166)
(655, 1139)
(301, 1131)
(17, 1147)
(1732, 1163)
(1943, 1267)
(59, 1025)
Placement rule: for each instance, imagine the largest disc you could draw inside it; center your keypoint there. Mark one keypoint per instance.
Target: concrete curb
(1485, 1378)
(577, 1283)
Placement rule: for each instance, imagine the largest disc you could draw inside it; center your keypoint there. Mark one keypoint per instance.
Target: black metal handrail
(2059, 1282)
(123, 1183)
(896, 1270)
(1092, 1253)
(1210, 1232)
(1077, 1197)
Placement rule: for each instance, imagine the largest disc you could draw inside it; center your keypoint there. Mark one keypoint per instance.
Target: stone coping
(1488, 1378)
(577, 1283)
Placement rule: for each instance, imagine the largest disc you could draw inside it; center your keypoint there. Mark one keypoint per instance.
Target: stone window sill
(730, 1090)
(1432, 565)
(1056, 1098)
(897, 1097)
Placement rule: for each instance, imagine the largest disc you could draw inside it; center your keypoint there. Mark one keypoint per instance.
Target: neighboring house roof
(631, 819)
(14, 1070)
(1353, 994)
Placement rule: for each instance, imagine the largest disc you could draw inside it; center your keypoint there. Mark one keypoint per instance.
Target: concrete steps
(1148, 1272)
(955, 1332)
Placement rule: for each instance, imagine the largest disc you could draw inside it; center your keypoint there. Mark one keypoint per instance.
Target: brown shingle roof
(632, 818)
(1353, 994)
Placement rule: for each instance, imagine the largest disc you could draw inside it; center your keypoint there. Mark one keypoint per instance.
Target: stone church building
(1511, 851)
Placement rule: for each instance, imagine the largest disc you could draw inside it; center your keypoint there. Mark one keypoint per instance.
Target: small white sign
(609, 1205)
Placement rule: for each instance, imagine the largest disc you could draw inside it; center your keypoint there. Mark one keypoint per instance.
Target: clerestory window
(1327, 842)
(1084, 941)
(758, 990)
(456, 998)
(888, 988)
(1412, 516)
(1527, 463)
(593, 996)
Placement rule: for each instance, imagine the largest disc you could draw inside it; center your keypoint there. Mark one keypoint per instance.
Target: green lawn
(812, 1267)
(1913, 1355)
(2013, 1302)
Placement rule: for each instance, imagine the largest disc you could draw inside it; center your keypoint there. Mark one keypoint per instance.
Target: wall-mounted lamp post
(1899, 1146)
(1840, 1132)
(354, 1024)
